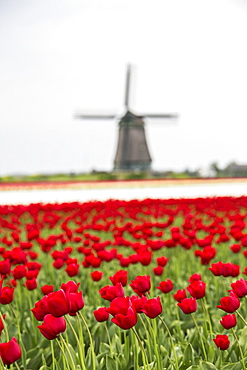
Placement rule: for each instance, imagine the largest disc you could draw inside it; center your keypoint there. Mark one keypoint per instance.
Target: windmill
(132, 149)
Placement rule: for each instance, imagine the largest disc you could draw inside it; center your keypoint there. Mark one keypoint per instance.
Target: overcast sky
(60, 56)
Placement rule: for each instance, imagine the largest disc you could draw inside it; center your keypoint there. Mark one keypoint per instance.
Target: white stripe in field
(84, 195)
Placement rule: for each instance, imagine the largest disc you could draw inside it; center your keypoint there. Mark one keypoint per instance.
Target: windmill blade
(127, 87)
(94, 116)
(151, 115)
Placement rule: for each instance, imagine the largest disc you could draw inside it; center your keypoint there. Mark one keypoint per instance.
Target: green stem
(241, 317)
(208, 316)
(172, 343)
(144, 356)
(147, 335)
(4, 328)
(240, 349)
(200, 335)
(65, 361)
(69, 353)
(78, 343)
(90, 339)
(2, 364)
(108, 336)
(52, 355)
(17, 366)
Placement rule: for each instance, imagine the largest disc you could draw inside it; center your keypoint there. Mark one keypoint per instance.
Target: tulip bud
(222, 342)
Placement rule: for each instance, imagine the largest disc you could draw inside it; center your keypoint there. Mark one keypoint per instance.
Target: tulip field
(124, 285)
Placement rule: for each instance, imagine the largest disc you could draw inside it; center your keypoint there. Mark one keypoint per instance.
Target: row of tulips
(183, 258)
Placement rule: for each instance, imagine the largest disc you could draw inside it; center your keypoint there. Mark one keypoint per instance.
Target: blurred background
(59, 57)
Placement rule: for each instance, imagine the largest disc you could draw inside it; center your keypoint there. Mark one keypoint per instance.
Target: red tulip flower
(19, 272)
(58, 303)
(138, 303)
(235, 248)
(119, 305)
(197, 289)
(7, 295)
(158, 270)
(120, 276)
(40, 309)
(127, 320)
(52, 326)
(101, 314)
(110, 292)
(222, 342)
(46, 289)
(10, 351)
(152, 308)
(31, 284)
(96, 275)
(194, 277)
(188, 305)
(165, 286)
(76, 302)
(141, 284)
(5, 267)
(162, 261)
(180, 295)
(72, 269)
(240, 288)
(70, 286)
(229, 304)
(228, 321)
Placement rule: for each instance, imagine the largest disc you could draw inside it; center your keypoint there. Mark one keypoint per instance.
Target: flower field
(124, 285)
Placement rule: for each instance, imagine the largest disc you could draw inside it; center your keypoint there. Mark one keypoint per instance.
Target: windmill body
(132, 150)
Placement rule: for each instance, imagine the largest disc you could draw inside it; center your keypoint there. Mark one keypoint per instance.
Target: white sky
(61, 56)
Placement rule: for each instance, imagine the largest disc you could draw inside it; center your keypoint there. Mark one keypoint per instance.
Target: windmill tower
(132, 149)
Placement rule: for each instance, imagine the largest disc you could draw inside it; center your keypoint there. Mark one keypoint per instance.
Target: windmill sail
(132, 150)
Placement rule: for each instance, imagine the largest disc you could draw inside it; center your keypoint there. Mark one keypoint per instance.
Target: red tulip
(96, 275)
(162, 261)
(240, 288)
(10, 351)
(194, 277)
(222, 342)
(138, 303)
(188, 305)
(158, 270)
(46, 289)
(120, 276)
(70, 286)
(228, 321)
(141, 284)
(7, 295)
(197, 289)
(72, 269)
(31, 284)
(152, 308)
(126, 321)
(110, 292)
(40, 309)
(101, 314)
(229, 304)
(119, 305)
(76, 302)
(52, 326)
(165, 286)
(4, 267)
(180, 295)
(19, 272)
(58, 303)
